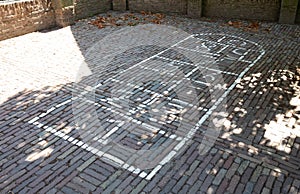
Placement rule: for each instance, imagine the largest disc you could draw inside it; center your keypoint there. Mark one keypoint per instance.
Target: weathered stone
(288, 11)
(194, 8)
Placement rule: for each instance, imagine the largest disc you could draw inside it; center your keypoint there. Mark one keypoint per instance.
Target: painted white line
(187, 63)
(114, 159)
(202, 53)
(63, 103)
(33, 120)
(192, 132)
(158, 95)
(143, 174)
(167, 158)
(153, 172)
(222, 44)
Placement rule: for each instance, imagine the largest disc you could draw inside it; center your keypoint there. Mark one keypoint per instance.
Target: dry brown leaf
(253, 25)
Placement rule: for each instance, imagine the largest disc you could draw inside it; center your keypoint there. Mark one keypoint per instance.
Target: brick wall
(298, 14)
(167, 6)
(86, 8)
(17, 18)
(242, 9)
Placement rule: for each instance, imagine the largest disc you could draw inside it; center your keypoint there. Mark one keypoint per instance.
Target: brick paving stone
(55, 174)
(280, 177)
(256, 174)
(260, 183)
(52, 191)
(265, 191)
(181, 171)
(240, 188)
(207, 182)
(84, 183)
(276, 190)
(11, 178)
(247, 174)
(195, 187)
(72, 168)
(110, 179)
(135, 181)
(231, 171)
(184, 189)
(219, 177)
(249, 188)
(179, 184)
(233, 183)
(23, 184)
(95, 174)
(266, 171)
(193, 178)
(216, 158)
(27, 175)
(51, 184)
(155, 191)
(69, 151)
(223, 186)
(225, 155)
(77, 187)
(164, 180)
(37, 187)
(168, 187)
(228, 162)
(276, 187)
(287, 184)
(68, 190)
(296, 183)
(192, 167)
(100, 169)
(243, 166)
(237, 160)
(205, 172)
(127, 182)
(112, 187)
(139, 187)
(90, 179)
(193, 157)
(270, 181)
(128, 189)
(25, 190)
(67, 179)
(99, 190)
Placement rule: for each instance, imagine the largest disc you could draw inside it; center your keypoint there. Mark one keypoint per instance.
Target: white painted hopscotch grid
(221, 47)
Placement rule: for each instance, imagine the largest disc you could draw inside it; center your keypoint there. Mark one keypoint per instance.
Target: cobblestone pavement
(257, 150)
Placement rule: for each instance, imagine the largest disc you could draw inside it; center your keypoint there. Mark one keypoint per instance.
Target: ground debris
(128, 19)
(246, 26)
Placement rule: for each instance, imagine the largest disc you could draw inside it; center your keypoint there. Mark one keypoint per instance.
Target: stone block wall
(298, 14)
(87, 8)
(243, 9)
(17, 18)
(165, 6)
(288, 11)
(119, 5)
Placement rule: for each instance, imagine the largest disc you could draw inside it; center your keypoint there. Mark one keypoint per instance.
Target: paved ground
(256, 150)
